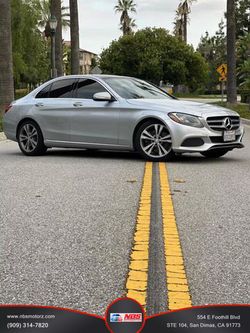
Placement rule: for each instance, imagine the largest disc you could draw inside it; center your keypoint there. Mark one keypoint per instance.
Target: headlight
(186, 119)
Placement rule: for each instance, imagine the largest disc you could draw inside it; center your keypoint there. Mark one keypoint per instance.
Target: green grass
(242, 109)
(1, 124)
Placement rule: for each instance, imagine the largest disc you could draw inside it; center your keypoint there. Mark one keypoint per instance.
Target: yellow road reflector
(137, 280)
(177, 285)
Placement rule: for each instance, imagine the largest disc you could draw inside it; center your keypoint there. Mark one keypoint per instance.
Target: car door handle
(78, 104)
(38, 105)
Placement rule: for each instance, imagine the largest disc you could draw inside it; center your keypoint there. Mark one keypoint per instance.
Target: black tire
(138, 143)
(215, 153)
(33, 144)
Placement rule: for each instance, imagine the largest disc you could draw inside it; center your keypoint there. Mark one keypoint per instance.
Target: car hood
(175, 105)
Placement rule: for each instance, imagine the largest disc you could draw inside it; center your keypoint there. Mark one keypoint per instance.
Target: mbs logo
(126, 317)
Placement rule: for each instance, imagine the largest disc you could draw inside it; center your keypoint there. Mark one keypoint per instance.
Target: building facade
(87, 59)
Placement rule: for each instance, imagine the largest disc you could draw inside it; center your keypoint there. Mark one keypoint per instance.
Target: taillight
(8, 108)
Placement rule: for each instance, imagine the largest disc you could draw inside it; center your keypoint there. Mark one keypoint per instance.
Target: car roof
(97, 76)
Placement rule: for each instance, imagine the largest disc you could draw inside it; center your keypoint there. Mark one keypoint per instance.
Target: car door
(53, 108)
(93, 122)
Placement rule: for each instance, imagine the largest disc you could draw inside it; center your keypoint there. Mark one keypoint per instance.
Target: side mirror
(103, 96)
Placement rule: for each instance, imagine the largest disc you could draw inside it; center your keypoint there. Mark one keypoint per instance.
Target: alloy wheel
(156, 141)
(28, 138)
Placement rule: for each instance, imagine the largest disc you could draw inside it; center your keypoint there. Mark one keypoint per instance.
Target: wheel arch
(145, 120)
(23, 121)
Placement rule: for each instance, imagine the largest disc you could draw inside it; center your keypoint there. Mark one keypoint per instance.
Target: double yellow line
(137, 281)
(178, 295)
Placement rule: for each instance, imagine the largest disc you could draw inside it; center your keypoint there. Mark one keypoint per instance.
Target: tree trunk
(57, 12)
(74, 33)
(185, 23)
(231, 53)
(6, 67)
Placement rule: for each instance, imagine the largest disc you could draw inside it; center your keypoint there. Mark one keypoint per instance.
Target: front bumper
(182, 137)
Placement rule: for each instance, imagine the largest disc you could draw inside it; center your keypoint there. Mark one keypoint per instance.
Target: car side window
(62, 89)
(86, 89)
(44, 93)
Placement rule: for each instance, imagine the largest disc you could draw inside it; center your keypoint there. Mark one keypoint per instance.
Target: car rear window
(44, 93)
(58, 89)
(62, 89)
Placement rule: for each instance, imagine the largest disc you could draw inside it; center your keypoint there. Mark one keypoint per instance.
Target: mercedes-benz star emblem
(228, 124)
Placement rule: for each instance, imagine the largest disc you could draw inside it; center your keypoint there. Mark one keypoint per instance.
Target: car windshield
(130, 88)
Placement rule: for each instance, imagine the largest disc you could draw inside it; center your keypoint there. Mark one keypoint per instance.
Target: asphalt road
(67, 222)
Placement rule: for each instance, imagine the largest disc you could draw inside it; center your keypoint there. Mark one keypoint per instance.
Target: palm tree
(125, 7)
(131, 25)
(56, 11)
(231, 53)
(178, 26)
(6, 66)
(184, 9)
(74, 33)
(44, 7)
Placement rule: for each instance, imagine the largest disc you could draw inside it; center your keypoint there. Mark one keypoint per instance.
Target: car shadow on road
(199, 159)
(95, 154)
(127, 155)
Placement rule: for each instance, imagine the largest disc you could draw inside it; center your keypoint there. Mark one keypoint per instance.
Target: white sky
(99, 25)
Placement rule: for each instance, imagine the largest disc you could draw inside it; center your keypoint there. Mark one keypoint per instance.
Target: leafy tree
(127, 23)
(243, 48)
(30, 50)
(46, 9)
(6, 70)
(243, 66)
(242, 17)
(245, 75)
(213, 49)
(155, 55)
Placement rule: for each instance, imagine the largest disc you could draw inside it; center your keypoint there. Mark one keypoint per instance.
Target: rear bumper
(9, 129)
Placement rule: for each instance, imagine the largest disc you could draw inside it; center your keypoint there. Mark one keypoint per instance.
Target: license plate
(229, 136)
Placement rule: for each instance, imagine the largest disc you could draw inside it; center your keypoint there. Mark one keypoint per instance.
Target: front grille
(217, 123)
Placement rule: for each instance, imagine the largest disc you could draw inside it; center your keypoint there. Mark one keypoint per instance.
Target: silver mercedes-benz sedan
(118, 113)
